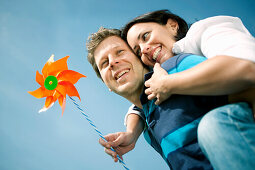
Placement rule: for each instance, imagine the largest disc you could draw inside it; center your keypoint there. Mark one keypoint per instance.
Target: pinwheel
(56, 82)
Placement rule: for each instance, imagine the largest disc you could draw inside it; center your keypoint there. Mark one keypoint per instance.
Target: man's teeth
(156, 53)
(121, 73)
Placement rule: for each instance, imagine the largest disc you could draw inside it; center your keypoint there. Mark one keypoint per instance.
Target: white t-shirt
(219, 35)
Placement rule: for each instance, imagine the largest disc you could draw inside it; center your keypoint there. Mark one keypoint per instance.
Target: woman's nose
(145, 49)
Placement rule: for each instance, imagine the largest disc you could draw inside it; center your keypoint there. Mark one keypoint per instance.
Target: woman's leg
(227, 137)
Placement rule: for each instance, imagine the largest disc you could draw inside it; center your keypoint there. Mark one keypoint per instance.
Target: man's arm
(124, 142)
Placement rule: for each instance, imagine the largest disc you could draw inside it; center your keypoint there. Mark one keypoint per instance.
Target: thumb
(158, 70)
(156, 66)
(117, 141)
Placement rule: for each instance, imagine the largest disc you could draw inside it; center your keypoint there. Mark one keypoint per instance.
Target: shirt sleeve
(229, 38)
(134, 110)
(220, 35)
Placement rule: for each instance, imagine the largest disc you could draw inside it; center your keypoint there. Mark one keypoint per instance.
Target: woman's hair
(161, 17)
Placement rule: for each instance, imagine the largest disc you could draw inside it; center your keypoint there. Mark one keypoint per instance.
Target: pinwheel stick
(96, 129)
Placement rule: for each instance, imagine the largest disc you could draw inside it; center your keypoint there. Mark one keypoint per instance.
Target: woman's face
(153, 42)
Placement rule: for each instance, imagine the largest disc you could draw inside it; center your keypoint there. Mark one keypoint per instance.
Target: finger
(115, 159)
(121, 157)
(147, 83)
(118, 141)
(151, 96)
(110, 152)
(157, 102)
(104, 143)
(147, 91)
(118, 153)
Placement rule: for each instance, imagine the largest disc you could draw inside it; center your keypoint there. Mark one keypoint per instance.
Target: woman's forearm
(219, 75)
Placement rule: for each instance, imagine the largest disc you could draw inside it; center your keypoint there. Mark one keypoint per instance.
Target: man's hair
(161, 17)
(94, 40)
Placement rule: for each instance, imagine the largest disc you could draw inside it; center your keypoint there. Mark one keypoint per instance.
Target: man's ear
(172, 25)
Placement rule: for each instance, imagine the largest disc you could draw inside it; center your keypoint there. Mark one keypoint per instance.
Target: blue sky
(30, 31)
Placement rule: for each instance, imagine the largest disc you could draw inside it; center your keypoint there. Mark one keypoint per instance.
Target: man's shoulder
(183, 60)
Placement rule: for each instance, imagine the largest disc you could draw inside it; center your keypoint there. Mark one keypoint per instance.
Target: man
(123, 73)
(122, 78)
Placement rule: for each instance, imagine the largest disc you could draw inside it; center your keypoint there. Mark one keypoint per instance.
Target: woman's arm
(244, 96)
(219, 75)
(216, 76)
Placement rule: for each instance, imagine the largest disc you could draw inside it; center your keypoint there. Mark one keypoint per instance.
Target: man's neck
(137, 103)
(135, 98)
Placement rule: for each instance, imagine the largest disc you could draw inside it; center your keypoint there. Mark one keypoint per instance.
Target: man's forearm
(135, 125)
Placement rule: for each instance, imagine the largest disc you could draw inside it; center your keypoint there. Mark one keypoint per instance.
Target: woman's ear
(172, 25)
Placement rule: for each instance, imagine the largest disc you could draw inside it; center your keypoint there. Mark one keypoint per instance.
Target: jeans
(226, 135)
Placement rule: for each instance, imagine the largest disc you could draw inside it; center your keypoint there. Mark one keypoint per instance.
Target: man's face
(120, 69)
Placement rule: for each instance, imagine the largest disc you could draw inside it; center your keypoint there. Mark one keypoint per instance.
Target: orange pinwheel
(56, 81)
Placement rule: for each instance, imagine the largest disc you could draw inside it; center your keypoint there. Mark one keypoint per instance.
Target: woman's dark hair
(160, 17)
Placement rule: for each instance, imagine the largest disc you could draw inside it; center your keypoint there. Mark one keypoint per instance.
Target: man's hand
(157, 86)
(121, 142)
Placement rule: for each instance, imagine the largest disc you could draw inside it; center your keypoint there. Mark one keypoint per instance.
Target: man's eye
(104, 63)
(145, 35)
(119, 51)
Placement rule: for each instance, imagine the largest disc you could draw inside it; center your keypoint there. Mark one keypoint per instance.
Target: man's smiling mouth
(119, 74)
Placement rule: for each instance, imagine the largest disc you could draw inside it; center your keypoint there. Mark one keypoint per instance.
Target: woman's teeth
(156, 53)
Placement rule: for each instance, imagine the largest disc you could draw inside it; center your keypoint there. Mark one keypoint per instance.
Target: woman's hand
(157, 86)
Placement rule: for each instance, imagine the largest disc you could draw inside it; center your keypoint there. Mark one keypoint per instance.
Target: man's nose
(113, 60)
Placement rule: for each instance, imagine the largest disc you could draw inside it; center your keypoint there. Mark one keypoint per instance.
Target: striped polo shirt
(171, 127)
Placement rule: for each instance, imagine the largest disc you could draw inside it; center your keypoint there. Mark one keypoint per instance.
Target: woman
(147, 37)
(201, 40)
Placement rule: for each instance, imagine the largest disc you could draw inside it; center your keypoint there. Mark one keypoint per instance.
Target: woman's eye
(138, 53)
(145, 35)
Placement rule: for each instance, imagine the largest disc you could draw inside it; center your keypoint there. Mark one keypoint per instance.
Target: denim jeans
(226, 135)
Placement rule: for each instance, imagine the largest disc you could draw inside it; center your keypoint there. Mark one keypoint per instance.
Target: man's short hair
(94, 40)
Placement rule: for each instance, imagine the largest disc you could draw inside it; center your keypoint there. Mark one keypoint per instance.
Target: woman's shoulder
(211, 21)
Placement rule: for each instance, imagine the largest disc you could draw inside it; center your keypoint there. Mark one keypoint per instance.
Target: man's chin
(123, 89)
